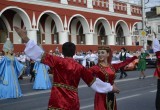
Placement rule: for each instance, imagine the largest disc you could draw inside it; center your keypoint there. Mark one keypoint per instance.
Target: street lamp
(143, 33)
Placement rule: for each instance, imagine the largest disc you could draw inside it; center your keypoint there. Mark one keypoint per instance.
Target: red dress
(67, 73)
(107, 74)
(157, 71)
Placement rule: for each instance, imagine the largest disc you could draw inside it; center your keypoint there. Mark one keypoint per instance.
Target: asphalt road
(136, 94)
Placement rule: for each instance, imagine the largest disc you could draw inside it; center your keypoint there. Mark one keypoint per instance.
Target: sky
(150, 4)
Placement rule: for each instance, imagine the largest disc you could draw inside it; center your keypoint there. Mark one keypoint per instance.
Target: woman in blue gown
(10, 70)
(42, 80)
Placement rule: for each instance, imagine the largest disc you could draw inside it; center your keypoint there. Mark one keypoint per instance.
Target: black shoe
(125, 76)
(144, 77)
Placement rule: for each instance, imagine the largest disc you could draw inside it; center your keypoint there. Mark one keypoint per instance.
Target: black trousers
(122, 73)
(158, 95)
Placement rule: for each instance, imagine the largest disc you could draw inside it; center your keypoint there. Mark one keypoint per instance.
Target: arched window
(3, 31)
(120, 39)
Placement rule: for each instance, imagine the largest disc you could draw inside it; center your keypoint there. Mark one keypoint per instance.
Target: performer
(42, 80)
(142, 63)
(106, 72)
(67, 73)
(32, 73)
(10, 70)
(156, 49)
(123, 55)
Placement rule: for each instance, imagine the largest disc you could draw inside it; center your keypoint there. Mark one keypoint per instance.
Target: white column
(111, 39)
(63, 37)
(64, 1)
(89, 4)
(32, 34)
(128, 40)
(128, 9)
(111, 6)
(89, 38)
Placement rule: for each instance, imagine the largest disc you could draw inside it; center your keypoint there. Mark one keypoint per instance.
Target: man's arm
(22, 33)
(32, 50)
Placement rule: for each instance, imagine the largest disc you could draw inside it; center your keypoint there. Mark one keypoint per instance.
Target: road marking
(127, 97)
(154, 91)
(37, 93)
(88, 106)
(118, 99)
(80, 86)
(130, 79)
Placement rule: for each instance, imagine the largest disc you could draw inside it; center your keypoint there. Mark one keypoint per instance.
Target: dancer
(142, 63)
(42, 80)
(106, 72)
(123, 55)
(32, 73)
(10, 70)
(67, 74)
(156, 49)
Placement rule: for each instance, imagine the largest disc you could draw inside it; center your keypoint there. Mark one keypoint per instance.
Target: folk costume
(123, 56)
(156, 49)
(42, 80)
(10, 70)
(107, 74)
(142, 62)
(67, 73)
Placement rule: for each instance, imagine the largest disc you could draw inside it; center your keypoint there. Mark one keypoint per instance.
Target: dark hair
(68, 49)
(123, 48)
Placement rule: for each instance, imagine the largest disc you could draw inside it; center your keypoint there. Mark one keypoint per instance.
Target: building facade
(153, 23)
(83, 22)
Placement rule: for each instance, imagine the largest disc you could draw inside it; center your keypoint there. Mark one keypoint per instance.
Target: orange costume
(107, 74)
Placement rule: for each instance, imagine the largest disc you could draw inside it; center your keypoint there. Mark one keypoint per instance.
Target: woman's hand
(22, 33)
(115, 89)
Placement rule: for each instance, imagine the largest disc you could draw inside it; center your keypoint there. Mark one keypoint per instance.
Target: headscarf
(108, 50)
(8, 46)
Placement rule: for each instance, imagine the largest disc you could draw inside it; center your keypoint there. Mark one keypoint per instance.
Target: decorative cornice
(63, 6)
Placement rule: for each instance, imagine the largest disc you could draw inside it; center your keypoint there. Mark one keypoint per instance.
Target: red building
(87, 23)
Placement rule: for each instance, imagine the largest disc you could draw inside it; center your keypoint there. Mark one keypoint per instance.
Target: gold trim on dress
(72, 88)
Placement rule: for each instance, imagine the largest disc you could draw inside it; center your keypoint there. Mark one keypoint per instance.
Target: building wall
(33, 16)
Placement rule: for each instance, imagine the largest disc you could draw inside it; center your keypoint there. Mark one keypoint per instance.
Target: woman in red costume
(106, 72)
(156, 49)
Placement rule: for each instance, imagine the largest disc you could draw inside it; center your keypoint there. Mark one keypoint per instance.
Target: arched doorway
(3, 31)
(120, 38)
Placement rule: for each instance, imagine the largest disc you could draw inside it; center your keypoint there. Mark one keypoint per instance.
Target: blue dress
(10, 70)
(42, 80)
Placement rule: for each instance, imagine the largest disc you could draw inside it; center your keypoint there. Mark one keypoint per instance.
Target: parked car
(151, 60)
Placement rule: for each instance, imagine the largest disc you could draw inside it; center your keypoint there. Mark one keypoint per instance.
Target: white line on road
(80, 86)
(127, 97)
(130, 79)
(37, 93)
(118, 99)
(154, 91)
